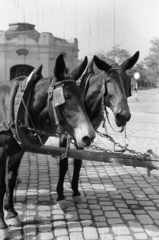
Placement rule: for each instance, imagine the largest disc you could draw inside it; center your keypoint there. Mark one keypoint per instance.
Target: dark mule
(112, 85)
(71, 116)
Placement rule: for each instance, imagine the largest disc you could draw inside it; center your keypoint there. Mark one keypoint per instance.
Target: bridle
(52, 110)
(84, 86)
(103, 92)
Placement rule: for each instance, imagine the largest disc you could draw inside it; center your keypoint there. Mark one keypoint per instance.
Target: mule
(71, 116)
(112, 84)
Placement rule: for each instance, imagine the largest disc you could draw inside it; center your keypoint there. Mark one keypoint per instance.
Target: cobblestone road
(119, 203)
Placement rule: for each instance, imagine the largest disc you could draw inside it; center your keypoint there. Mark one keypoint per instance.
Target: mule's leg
(13, 165)
(76, 194)
(63, 167)
(3, 227)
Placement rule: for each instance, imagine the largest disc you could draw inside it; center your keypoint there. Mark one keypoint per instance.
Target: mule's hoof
(77, 199)
(15, 222)
(4, 234)
(64, 204)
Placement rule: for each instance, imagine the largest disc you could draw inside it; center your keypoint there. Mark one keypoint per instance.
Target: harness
(105, 113)
(31, 137)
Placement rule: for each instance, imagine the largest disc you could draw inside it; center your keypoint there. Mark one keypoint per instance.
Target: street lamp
(136, 77)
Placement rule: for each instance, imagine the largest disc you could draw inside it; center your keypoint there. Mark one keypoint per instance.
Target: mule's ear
(101, 64)
(129, 63)
(59, 69)
(76, 73)
(90, 67)
(38, 71)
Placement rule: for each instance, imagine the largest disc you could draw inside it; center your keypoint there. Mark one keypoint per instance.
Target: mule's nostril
(123, 117)
(118, 116)
(86, 140)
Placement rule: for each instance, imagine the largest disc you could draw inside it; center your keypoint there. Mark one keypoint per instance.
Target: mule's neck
(93, 98)
(39, 100)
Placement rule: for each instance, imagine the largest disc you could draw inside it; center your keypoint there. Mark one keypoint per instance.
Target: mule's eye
(67, 96)
(111, 97)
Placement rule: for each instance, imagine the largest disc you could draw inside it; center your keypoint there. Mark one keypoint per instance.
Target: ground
(119, 203)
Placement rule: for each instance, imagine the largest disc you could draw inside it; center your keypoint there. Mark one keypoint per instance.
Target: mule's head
(117, 87)
(72, 114)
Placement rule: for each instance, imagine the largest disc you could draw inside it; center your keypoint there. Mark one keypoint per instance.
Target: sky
(98, 25)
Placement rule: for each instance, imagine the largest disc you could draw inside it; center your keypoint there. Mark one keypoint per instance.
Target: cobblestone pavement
(119, 203)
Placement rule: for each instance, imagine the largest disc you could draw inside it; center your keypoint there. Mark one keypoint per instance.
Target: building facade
(22, 49)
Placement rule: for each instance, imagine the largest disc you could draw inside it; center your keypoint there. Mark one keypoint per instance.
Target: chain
(94, 147)
(144, 155)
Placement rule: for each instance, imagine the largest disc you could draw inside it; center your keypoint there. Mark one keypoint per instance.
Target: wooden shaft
(121, 159)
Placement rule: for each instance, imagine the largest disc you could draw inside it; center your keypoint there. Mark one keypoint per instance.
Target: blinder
(56, 96)
(130, 90)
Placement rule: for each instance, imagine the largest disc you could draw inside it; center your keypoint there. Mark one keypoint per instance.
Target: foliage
(148, 68)
(152, 62)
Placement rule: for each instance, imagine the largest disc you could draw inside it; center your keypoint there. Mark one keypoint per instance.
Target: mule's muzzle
(84, 137)
(87, 140)
(122, 118)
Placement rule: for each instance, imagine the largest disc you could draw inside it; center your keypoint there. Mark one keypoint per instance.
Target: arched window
(20, 70)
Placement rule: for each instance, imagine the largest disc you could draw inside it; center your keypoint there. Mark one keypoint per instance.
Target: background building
(22, 49)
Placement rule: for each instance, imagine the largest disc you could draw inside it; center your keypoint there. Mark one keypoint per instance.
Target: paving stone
(144, 219)
(84, 211)
(59, 224)
(100, 219)
(71, 216)
(146, 203)
(124, 210)
(45, 236)
(60, 232)
(90, 233)
(141, 236)
(76, 235)
(152, 230)
(120, 229)
(106, 237)
(154, 214)
(121, 205)
(74, 227)
(127, 196)
(63, 238)
(112, 214)
(85, 216)
(135, 227)
(45, 228)
(58, 217)
(85, 223)
(108, 208)
(29, 229)
(123, 237)
(58, 212)
(103, 230)
(112, 221)
(95, 206)
(97, 212)
(128, 216)
(101, 224)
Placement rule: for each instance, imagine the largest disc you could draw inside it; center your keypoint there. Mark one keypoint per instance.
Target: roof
(27, 29)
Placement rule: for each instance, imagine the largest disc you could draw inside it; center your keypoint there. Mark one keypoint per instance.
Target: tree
(152, 62)
(118, 55)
